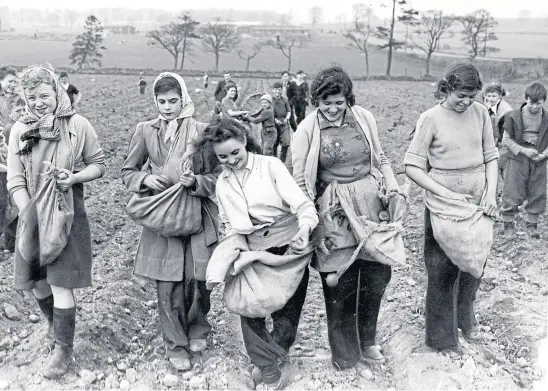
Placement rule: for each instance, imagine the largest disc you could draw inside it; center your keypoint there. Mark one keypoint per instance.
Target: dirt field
(118, 344)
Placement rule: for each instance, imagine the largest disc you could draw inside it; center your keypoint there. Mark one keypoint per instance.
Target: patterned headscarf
(187, 109)
(48, 126)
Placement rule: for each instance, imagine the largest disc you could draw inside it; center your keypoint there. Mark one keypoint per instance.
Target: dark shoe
(372, 353)
(472, 335)
(509, 229)
(257, 375)
(181, 364)
(64, 321)
(452, 353)
(46, 306)
(198, 345)
(532, 230)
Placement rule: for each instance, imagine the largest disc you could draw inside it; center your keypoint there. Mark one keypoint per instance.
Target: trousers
(450, 295)
(352, 309)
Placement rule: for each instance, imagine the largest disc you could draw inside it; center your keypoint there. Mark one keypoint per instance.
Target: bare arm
(421, 178)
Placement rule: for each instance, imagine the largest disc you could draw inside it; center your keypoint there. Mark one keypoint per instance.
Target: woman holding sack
(51, 132)
(338, 161)
(454, 159)
(172, 200)
(266, 221)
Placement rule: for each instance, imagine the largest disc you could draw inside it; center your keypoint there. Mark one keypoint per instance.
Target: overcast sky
(499, 8)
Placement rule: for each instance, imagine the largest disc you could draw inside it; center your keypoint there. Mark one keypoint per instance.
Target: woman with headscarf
(177, 263)
(51, 132)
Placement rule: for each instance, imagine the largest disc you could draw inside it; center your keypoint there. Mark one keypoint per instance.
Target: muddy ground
(118, 344)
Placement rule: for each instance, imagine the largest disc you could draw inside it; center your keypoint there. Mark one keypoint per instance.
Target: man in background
(288, 91)
(74, 94)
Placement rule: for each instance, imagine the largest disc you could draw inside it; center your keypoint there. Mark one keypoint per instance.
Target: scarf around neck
(48, 126)
(187, 109)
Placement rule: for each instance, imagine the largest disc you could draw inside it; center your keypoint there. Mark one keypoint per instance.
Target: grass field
(117, 333)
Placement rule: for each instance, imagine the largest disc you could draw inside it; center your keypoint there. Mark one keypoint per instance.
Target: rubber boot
(46, 306)
(64, 321)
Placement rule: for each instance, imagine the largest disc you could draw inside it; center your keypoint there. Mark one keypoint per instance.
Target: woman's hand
(156, 182)
(539, 158)
(65, 180)
(188, 179)
(300, 241)
(489, 205)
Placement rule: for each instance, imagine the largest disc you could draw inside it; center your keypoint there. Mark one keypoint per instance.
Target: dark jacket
(301, 94)
(220, 92)
(291, 91)
(513, 125)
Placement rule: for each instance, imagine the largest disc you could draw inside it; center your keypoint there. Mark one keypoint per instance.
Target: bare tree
(170, 37)
(359, 38)
(476, 32)
(251, 53)
(188, 28)
(388, 33)
(287, 42)
(433, 25)
(361, 13)
(316, 15)
(219, 37)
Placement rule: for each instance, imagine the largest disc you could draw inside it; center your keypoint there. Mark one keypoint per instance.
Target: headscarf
(267, 97)
(187, 109)
(48, 126)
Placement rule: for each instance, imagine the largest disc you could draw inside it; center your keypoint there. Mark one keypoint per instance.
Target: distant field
(326, 49)
(135, 53)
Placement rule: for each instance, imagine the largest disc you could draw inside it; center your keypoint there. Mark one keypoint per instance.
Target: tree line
(424, 32)
(427, 29)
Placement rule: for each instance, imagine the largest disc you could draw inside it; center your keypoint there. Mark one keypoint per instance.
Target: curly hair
(223, 129)
(331, 81)
(33, 77)
(460, 77)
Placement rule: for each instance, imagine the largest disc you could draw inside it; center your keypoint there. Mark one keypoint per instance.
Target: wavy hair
(331, 81)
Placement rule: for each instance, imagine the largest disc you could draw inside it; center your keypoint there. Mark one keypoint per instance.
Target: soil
(118, 342)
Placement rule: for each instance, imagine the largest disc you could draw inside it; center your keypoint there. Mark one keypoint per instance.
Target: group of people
(213, 202)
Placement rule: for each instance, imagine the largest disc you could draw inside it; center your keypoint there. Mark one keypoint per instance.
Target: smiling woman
(336, 150)
(454, 158)
(51, 132)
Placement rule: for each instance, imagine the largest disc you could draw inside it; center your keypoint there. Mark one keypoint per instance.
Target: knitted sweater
(446, 139)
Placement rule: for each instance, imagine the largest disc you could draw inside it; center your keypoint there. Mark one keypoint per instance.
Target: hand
(300, 241)
(539, 158)
(65, 180)
(278, 122)
(325, 245)
(188, 179)
(529, 152)
(156, 182)
(489, 205)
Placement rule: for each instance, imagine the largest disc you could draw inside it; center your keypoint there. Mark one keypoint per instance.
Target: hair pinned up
(36, 75)
(223, 129)
(461, 77)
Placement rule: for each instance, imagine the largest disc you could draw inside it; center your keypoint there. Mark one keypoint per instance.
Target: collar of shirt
(324, 123)
(66, 86)
(248, 167)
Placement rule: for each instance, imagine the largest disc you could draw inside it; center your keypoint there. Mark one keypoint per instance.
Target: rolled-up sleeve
(132, 176)
(290, 192)
(417, 154)
(490, 151)
(16, 170)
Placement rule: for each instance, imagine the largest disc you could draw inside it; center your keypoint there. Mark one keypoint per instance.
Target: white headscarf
(187, 109)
